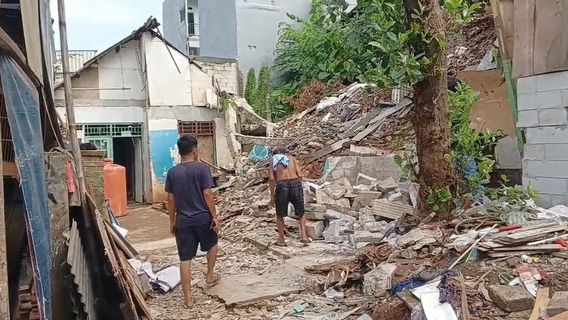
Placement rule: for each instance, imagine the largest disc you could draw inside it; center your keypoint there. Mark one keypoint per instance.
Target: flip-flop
(217, 278)
(280, 244)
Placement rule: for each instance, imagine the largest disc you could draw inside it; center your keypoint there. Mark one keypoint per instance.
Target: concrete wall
(257, 28)
(224, 71)
(163, 123)
(542, 105)
(218, 28)
(174, 29)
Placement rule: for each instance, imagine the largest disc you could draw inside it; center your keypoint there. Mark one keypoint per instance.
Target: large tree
(431, 114)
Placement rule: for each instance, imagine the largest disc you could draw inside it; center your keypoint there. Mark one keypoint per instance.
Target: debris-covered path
(259, 281)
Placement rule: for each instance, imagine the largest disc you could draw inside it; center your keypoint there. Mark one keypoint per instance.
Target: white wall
(122, 69)
(167, 86)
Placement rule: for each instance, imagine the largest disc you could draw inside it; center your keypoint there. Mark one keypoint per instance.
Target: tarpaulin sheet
(22, 106)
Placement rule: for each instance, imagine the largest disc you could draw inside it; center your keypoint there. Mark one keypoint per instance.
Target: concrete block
(558, 304)
(367, 236)
(535, 152)
(547, 169)
(315, 229)
(552, 81)
(378, 280)
(547, 135)
(540, 100)
(556, 151)
(366, 198)
(528, 119)
(526, 85)
(507, 153)
(548, 185)
(377, 226)
(552, 117)
(365, 179)
(511, 298)
(387, 185)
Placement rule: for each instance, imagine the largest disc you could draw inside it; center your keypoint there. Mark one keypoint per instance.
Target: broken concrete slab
(366, 180)
(365, 198)
(367, 237)
(377, 226)
(387, 185)
(378, 280)
(391, 210)
(249, 288)
(324, 198)
(312, 211)
(511, 298)
(558, 303)
(366, 215)
(364, 151)
(418, 235)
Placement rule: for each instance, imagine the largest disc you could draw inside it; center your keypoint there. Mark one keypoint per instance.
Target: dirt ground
(259, 280)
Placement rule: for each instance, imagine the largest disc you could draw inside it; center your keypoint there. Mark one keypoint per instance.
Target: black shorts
(289, 191)
(188, 238)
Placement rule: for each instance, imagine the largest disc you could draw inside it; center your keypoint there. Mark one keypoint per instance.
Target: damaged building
(154, 93)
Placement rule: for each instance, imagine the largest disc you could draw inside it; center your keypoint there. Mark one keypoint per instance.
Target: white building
(135, 98)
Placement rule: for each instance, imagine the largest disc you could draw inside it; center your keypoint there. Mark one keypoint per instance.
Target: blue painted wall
(162, 142)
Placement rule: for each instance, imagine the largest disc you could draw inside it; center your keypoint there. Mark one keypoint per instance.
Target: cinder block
(540, 100)
(526, 85)
(547, 135)
(535, 152)
(547, 169)
(556, 152)
(548, 185)
(552, 81)
(552, 117)
(528, 119)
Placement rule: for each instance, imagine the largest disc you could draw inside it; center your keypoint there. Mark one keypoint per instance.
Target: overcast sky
(98, 24)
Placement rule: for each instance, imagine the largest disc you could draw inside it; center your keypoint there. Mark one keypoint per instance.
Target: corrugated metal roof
(77, 260)
(76, 58)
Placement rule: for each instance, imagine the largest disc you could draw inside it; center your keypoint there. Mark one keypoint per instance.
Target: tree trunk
(431, 115)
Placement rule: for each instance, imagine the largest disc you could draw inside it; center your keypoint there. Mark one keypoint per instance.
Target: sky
(98, 24)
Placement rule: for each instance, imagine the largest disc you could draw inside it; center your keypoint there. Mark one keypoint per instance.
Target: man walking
(193, 216)
(285, 181)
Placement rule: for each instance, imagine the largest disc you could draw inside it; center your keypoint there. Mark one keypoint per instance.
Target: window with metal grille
(197, 128)
(112, 130)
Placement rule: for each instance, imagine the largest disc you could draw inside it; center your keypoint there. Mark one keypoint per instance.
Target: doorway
(123, 144)
(204, 131)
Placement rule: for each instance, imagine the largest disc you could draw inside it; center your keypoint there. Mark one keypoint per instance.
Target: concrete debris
(419, 235)
(315, 229)
(558, 304)
(327, 103)
(364, 151)
(366, 198)
(511, 298)
(378, 280)
(391, 210)
(387, 185)
(365, 179)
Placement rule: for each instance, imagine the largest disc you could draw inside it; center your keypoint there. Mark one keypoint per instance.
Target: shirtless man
(285, 180)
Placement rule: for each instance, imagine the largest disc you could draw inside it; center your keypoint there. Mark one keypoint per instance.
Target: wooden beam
(8, 45)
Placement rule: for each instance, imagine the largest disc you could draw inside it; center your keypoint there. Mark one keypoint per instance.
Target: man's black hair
(186, 144)
(279, 150)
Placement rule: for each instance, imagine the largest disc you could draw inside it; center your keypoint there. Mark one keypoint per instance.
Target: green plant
(251, 87)
(440, 200)
(407, 166)
(264, 93)
(516, 195)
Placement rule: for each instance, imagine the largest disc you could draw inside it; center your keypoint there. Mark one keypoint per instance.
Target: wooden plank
(523, 51)
(545, 247)
(8, 45)
(327, 150)
(550, 43)
(542, 299)
(507, 13)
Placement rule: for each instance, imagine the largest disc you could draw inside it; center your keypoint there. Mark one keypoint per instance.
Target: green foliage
(468, 144)
(440, 200)
(460, 12)
(407, 166)
(513, 195)
(250, 90)
(263, 97)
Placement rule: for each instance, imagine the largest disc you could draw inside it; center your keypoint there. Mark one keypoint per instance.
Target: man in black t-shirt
(193, 216)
